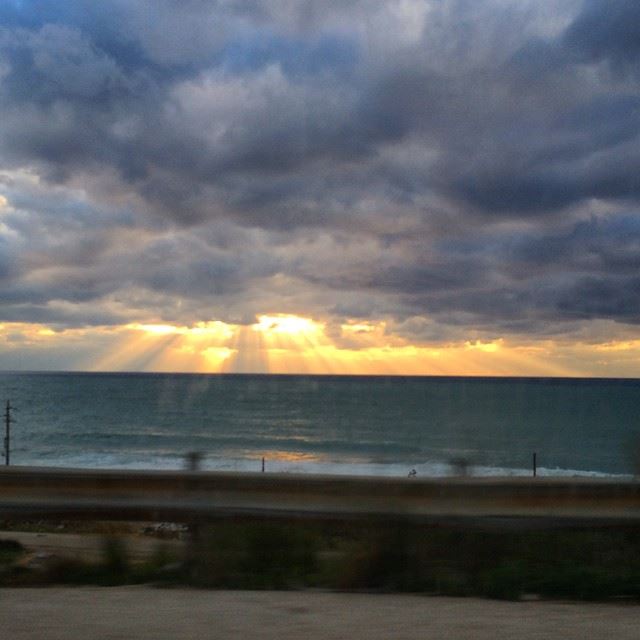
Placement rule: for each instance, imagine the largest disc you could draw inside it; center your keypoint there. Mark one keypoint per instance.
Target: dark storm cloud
(58, 317)
(532, 282)
(584, 272)
(607, 30)
(7, 260)
(173, 136)
(586, 151)
(61, 253)
(572, 137)
(610, 245)
(402, 278)
(173, 267)
(464, 161)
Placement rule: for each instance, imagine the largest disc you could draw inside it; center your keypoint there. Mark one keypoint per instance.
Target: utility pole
(7, 437)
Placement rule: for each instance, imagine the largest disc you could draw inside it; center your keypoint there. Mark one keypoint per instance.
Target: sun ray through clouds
(164, 347)
(281, 343)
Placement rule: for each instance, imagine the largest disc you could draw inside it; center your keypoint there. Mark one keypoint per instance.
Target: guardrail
(27, 492)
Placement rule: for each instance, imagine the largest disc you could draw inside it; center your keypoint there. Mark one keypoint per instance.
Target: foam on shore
(427, 469)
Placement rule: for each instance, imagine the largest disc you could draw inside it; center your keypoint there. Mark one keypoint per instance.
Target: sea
(322, 424)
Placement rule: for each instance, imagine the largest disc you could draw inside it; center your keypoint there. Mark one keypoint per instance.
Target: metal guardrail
(27, 492)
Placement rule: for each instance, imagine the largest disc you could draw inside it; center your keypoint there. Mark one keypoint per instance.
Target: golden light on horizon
(287, 343)
(157, 329)
(202, 329)
(487, 347)
(292, 456)
(165, 347)
(290, 343)
(619, 345)
(286, 324)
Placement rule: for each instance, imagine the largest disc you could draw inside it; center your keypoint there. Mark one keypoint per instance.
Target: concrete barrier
(27, 492)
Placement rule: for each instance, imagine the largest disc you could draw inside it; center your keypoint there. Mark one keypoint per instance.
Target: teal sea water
(325, 424)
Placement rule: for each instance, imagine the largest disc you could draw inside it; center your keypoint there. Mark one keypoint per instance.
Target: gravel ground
(133, 613)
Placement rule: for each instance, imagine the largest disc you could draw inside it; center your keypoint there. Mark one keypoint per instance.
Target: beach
(143, 612)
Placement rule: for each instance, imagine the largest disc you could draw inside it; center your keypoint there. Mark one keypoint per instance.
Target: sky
(430, 187)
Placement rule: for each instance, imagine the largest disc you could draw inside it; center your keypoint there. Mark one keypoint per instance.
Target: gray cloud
(451, 165)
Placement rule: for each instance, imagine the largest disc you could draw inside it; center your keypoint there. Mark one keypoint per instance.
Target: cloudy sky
(379, 186)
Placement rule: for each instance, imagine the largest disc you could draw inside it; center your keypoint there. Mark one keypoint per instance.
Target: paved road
(134, 613)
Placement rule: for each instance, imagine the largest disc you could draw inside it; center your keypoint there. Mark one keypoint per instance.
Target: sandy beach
(144, 612)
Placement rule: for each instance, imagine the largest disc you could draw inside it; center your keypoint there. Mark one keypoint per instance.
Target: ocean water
(325, 424)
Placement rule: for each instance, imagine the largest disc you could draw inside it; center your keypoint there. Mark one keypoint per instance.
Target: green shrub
(10, 551)
(504, 582)
(116, 567)
(255, 555)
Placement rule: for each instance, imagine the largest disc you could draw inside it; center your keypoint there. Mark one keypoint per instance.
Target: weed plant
(369, 555)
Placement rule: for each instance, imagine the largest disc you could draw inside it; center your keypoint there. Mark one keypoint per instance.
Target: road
(139, 613)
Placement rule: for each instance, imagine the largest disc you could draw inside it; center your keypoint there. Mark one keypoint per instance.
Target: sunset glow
(281, 343)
